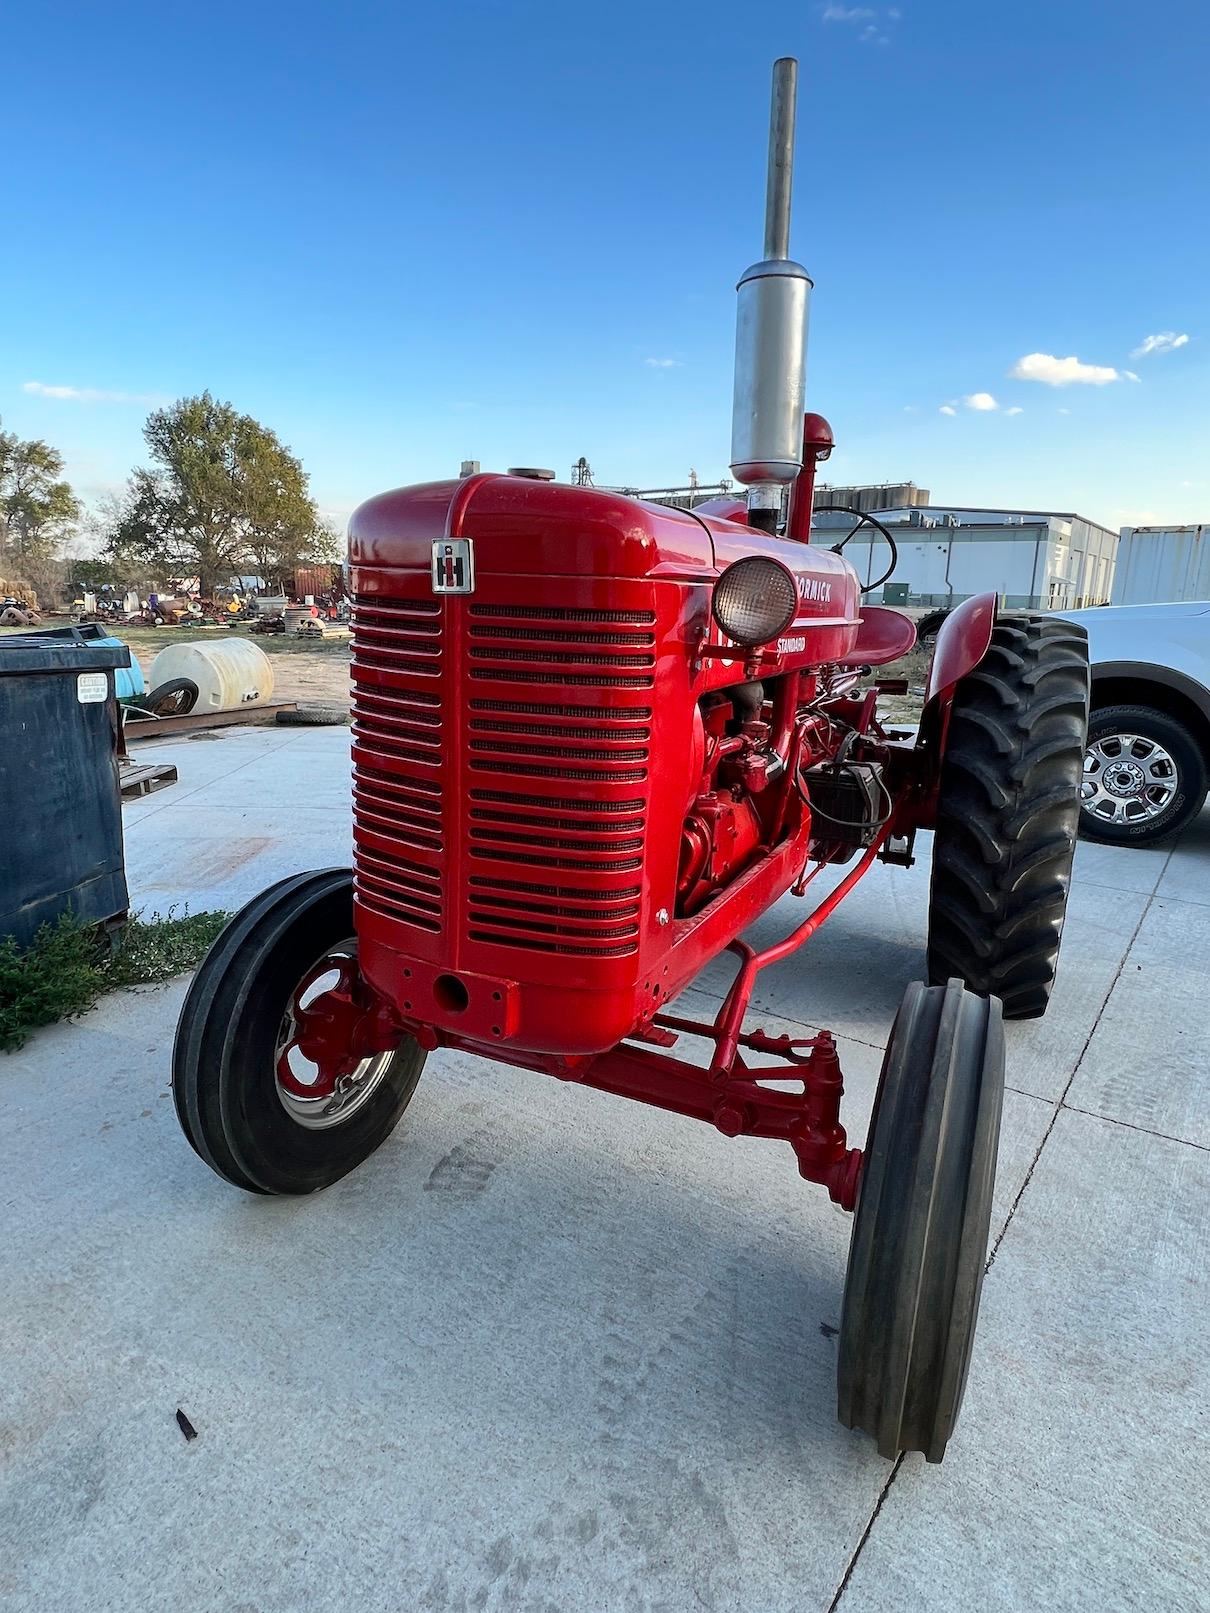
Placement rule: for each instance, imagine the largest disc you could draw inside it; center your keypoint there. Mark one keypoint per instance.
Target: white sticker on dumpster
(92, 688)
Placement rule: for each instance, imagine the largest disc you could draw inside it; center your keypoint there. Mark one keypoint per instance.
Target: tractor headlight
(755, 599)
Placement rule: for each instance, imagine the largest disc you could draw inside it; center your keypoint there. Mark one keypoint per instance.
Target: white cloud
(1131, 376)
(983, 402)
(1164, 341)
(947, 408)
(1052, 371)
(664, 363)
(1016, 409)
(86, 394)
(870, 22)
(909, 408)
(1062, 411)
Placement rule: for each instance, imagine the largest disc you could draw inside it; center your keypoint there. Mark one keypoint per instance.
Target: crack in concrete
(1061, 1102)
(1059, 1105)
(1130, 1125)
(865, 1535)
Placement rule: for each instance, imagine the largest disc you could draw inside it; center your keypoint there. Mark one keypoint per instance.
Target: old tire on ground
(235, 1029)
(1008, 813)
(919, 1245)
(175, 698)
(1144, 776)
(311, 714)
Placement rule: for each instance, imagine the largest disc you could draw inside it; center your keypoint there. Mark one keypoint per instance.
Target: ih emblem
(453, 566)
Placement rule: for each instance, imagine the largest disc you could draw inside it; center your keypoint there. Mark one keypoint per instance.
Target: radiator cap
(532, 472)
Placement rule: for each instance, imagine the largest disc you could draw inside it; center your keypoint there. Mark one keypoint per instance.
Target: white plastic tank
(229, 672)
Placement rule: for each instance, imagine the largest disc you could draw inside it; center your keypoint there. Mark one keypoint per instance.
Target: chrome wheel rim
(1128, 779)
(338, 1102)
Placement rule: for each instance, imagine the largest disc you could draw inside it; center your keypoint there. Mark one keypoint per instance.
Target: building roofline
(999, 509)
(1185, 526)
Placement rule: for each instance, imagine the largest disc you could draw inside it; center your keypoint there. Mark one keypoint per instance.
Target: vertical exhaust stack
(771, 332)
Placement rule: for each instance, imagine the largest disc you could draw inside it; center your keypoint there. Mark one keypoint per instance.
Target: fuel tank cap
(532, 472)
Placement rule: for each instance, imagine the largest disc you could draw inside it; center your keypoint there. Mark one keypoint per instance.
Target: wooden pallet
(141, 778)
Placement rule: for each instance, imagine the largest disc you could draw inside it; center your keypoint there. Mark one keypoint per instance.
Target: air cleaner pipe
(771, 331)
(780, 182)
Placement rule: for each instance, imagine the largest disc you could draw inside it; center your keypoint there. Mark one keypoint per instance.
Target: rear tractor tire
(919, 1246)
(1008, 812)
(263, 1115)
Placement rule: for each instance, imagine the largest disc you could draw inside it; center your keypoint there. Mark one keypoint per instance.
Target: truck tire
(1144, 776)
(312, 714)
(1008, 813)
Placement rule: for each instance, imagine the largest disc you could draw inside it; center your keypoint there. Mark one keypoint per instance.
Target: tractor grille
(397, 738)
(552, 710)
(557, 811)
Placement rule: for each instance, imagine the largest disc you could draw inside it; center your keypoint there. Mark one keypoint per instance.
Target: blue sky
(404, 236)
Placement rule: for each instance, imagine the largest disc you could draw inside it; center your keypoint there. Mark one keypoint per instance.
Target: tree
(225, 497)
(37, 507)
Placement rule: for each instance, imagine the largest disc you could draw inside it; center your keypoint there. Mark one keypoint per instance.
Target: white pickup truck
(1148, 757)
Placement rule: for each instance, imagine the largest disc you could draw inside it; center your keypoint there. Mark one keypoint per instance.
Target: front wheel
(1144, 776)
(268, 1086)
(916, 1260)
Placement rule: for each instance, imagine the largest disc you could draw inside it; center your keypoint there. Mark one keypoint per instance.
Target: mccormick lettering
(815, 588)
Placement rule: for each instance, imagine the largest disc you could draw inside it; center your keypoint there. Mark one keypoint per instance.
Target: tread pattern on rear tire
(1008, 812)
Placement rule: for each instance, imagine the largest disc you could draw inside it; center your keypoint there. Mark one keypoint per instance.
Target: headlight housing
(755, 599)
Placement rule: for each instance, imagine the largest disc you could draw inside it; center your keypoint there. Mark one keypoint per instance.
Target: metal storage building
(1161, 563)
(1033, 559)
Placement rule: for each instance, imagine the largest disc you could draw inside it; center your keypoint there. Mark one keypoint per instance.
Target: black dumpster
(60, 802)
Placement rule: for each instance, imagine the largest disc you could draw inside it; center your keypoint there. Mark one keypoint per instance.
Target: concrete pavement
(552, 1351)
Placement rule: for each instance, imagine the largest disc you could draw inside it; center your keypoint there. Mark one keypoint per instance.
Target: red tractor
(593, 740)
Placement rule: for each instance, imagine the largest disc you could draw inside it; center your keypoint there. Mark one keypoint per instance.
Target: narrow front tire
(919, 1245)
(251, 1099)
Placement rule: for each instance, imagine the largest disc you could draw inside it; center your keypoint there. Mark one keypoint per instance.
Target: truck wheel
(1008, 812)
(260, 1112)
(1144, 776)
(919, 1246)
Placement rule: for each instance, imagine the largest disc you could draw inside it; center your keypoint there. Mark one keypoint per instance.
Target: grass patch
(64, 970)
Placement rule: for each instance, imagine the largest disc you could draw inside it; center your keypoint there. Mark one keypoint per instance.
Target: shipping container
(313, 580)
(1157, 564)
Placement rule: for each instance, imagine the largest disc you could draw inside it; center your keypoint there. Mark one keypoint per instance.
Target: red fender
(961, 644)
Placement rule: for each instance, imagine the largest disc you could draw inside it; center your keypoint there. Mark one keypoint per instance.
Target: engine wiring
(840, 763)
